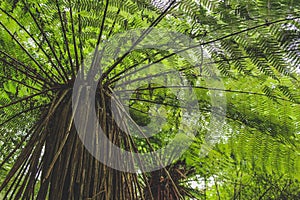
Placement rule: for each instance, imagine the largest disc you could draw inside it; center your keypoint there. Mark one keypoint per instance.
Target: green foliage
(255, 46)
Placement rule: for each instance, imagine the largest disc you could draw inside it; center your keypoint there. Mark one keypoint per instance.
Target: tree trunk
(56, 165)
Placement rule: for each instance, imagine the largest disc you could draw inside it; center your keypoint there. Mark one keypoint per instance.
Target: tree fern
(44, 44)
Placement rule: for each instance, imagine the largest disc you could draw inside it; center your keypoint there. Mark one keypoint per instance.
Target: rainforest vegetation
(244, 81)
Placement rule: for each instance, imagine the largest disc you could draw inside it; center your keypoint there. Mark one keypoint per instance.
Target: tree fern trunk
(59, 166)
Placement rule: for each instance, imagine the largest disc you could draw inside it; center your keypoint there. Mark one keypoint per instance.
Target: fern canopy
(247, 54)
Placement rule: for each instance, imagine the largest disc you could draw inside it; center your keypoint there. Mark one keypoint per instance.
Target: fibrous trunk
(55, 164)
